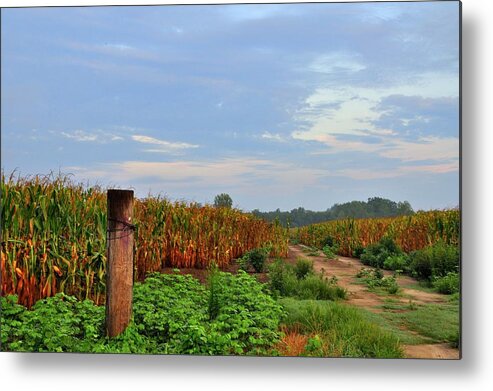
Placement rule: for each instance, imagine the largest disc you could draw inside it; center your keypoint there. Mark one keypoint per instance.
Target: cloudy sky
(278, 105)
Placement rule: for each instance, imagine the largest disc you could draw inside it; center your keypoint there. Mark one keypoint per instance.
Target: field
(409, 232)
(258, 294)
(54, 237)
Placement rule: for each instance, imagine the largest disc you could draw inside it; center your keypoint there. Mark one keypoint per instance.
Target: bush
(329, 242)
(376, 254)
(257, 257)
(284, 282)
(396, 262)
(302, 268)
(434, 261)
(358, 251)
(448, 284)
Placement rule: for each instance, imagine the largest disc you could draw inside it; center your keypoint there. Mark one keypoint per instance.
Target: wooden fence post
(119, 274)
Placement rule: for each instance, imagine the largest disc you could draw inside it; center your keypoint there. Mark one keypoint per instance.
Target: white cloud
(336, 62)
(344, 120)
(426, 148)
(95, 136)
(272, 136)
(243, 174)
(163, 146)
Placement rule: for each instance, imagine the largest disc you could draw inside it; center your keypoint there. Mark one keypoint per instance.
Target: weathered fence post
(119, 274)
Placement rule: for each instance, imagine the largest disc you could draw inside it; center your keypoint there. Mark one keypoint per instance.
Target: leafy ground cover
(173, 314)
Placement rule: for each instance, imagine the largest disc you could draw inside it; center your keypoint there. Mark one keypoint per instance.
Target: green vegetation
(338, 330)
(434, 261)
(374, 279)
(385, 250)
(223, 200)
(405, 336)
(303, 268)
(448, 284)
(437, 265)
(374, 207)
(172, 314)
(54, 237)
(255, 259)
(410, 233)
(438, 322)
(283, 281)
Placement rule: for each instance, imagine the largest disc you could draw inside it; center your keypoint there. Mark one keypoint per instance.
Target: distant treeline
(374, 207)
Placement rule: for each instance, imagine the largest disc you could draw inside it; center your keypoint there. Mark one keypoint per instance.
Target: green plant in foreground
(172, 314)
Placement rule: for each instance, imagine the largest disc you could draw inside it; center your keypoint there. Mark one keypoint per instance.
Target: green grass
(423, 286)
(344, 331)
(439, 322)
(405, 336)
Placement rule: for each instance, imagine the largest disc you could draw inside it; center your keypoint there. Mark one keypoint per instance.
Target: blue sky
(278, 105)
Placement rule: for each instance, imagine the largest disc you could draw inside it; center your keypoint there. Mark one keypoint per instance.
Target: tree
(223, 200)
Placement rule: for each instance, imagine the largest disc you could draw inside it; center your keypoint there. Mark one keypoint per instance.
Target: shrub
(257, 258)
(358, 250)
(376, 254)
(434, 261)
(329, 242)
(284, 282)
(244, 262)
(303, 267)
(396, 262)
(448, 284)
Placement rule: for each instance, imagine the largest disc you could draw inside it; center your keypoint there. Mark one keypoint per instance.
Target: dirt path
(345, 269)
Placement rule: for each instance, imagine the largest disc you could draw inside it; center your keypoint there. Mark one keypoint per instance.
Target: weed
(374, 278)
(303, 268)
(338, 330)
(448, 284)
(284, 282)
(329, 252)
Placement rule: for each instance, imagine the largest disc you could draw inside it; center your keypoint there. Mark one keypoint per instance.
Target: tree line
(374, 207)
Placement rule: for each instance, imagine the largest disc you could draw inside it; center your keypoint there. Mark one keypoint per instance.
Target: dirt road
(345, 269)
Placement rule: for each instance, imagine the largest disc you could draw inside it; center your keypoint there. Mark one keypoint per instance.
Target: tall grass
(342, 331)
(54, 237)
(409, 232)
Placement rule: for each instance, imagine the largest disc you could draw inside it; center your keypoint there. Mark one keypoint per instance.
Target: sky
(280, 105)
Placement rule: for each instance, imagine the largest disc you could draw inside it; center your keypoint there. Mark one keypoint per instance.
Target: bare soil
(345, 269)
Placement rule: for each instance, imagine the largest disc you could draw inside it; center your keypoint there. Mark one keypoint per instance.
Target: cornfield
(54, 237)
(409, 232)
